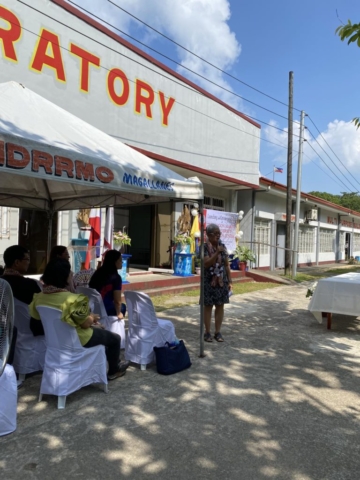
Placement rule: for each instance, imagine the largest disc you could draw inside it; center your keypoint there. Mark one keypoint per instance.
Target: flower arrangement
(183, 239)
(121, 238)
(244, 254)
(311, 290)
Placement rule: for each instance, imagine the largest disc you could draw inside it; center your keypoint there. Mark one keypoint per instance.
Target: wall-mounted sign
(281, 217)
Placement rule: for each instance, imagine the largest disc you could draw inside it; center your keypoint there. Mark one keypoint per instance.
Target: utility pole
(289, 177)
(298, 195)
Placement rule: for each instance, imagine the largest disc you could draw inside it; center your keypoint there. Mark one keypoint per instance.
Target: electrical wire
(347, 188)
(333, 161)
(198, 56)
(179, 64)
(312, 161)
(321, 135)
(181, 84)
(326, 173)
(189, 88)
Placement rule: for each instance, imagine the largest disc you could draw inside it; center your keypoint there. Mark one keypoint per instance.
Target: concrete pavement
(279, 399)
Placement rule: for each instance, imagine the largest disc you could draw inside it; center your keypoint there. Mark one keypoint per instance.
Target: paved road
(279, 399)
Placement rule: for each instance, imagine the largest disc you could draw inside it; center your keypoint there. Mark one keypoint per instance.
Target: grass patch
(339, 271)
(164, 302)
(305, 277)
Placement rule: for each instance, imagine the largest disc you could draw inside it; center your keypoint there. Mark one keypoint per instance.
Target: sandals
(218, 337)
(208, 337)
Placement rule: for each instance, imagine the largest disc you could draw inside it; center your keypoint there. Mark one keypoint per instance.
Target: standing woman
(217, 281)
(107, 282)
(59, 251)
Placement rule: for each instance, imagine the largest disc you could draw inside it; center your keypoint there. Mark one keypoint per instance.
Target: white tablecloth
(340, 294)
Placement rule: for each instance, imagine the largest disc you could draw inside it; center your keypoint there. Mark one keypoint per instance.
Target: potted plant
(243, 254)
(183, 242)
(198, 265)
(121, 239)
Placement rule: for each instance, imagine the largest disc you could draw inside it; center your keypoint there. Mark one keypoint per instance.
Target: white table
(340, 294)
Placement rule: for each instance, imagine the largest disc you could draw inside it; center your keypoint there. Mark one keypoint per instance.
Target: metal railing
(258, 245)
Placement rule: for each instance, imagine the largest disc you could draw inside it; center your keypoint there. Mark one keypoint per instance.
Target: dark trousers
(111, 342)
(12, 347)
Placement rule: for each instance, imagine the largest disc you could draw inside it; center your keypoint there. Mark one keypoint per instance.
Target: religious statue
(184, 221)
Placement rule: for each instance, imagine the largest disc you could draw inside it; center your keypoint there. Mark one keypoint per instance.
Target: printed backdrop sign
(227, 224)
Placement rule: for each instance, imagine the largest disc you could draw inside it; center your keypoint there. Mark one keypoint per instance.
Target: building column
(233, 201)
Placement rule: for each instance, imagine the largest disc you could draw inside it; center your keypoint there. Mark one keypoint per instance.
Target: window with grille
(4, 222)
(342, 241)
(306, 240)
(356, 242)
(262, 235)
(214, 203)
(327, 240)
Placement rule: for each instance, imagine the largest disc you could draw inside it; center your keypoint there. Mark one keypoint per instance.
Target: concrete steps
(157, 284)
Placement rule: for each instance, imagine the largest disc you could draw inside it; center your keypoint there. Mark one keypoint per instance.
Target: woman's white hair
(211, 228)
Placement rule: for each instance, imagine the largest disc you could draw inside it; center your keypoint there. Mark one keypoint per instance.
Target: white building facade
(85, 68)
(328, 233)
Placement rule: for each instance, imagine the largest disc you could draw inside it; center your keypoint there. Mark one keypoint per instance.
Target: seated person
(59, 251)
(76, 313)
(107, 282)
(17, 261)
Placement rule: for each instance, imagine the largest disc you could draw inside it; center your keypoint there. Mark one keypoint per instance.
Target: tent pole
(202, 343)
(50, 215)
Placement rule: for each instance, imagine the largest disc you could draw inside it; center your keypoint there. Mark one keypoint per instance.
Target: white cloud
(199, 25)
(341, 136)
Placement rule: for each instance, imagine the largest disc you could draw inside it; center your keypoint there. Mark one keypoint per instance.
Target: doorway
(347, 246)
(141, 234)
(33, 229)
(280, 242)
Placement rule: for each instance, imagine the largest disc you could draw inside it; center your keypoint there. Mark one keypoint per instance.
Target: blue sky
(259, 43)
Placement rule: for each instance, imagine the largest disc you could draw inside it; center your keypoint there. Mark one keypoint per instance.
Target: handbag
(172, 358)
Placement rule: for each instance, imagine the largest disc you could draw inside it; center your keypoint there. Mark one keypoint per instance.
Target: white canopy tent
(51, 160)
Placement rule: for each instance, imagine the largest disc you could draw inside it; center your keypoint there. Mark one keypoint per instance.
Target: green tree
(347, 200)
(350, 31)
(327, 196)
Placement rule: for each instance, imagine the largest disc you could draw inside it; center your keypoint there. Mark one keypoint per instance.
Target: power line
(318, 166)
(197, 56)
(321, 135)
(177, 63)
(347, 188)
(333, 161)
(181, 84)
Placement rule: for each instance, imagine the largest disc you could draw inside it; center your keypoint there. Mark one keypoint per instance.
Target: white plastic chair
(146, 331)
(29, 355)
(111, 323)
(68, 365)
(8, 396)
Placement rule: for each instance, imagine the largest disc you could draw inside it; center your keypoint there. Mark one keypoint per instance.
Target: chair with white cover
(146, 331)
(111, 323)
(68, 365)
(8, 384)
(8, 395)
(29, 350)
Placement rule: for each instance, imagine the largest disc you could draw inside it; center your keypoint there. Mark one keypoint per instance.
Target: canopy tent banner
(52, 160)
(226, 221)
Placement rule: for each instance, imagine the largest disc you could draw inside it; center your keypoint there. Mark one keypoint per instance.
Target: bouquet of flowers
(311, 290)
(121, 238)
(183, 239)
